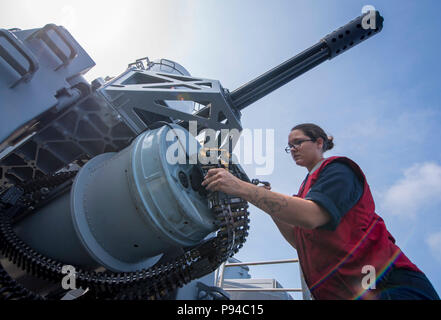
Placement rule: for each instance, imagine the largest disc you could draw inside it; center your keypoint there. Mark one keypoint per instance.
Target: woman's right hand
(266, 187)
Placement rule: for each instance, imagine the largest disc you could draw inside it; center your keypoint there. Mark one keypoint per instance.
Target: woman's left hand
(222, 180)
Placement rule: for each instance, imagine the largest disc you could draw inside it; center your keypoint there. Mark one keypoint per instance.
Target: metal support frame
(141, 97)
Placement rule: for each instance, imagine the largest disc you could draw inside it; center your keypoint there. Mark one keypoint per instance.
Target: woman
(332, 224)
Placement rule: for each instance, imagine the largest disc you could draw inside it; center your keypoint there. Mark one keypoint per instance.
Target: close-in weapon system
(105, 177)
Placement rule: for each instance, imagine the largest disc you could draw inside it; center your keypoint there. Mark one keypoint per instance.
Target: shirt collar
(316, 167)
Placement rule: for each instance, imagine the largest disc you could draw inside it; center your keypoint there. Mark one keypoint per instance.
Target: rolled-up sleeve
(337, 190)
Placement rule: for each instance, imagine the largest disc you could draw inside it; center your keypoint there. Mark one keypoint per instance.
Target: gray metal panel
(28, 99)
(80, 132)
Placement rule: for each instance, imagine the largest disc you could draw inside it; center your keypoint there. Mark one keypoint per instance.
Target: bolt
(44, 190)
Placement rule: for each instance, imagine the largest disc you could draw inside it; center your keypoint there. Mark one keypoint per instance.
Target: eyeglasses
(296, 145)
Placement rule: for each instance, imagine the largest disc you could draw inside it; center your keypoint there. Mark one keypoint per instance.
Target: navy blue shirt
(337, 190)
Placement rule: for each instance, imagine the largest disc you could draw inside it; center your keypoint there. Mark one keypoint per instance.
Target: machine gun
(85, 173)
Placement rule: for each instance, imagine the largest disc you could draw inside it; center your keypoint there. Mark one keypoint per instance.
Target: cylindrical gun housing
(125, 209)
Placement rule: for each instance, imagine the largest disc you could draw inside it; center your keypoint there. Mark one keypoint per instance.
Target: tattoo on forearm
(268, 202)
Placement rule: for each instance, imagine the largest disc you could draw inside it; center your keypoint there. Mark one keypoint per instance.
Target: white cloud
(434, 242)
(69, 17)
(420, 186)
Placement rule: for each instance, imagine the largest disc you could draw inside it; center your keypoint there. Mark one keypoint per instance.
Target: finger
(208, 179)
(213, 172)
(209, 173)
(212, 186)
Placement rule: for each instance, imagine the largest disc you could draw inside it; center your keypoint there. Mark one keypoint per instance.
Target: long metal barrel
(332, 45)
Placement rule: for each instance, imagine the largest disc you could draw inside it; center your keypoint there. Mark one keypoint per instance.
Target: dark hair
(314, 132)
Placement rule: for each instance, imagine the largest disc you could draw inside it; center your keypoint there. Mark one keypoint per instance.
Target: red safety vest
(332, 261)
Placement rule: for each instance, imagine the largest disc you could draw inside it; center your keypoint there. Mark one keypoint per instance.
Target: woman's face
(306, 153)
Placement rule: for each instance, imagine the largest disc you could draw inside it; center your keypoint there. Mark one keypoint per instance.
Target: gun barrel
(332, 45)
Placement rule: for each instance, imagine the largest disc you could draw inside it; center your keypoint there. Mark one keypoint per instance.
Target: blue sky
(380, 100)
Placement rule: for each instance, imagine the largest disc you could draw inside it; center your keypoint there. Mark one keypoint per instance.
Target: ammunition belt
(157, 282)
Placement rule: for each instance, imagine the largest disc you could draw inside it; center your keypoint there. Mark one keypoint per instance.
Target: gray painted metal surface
(55, 120)
(40, 69)
(137, 189)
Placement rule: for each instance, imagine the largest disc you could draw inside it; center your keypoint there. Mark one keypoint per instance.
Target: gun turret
(94, 161)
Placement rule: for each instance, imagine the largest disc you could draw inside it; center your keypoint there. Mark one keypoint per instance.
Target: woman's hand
(267, 187)
(222, 180)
